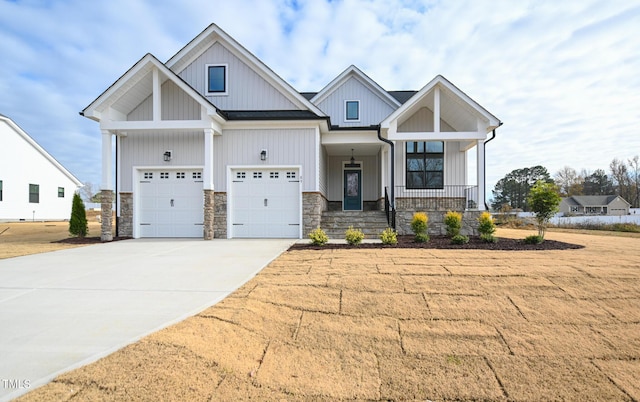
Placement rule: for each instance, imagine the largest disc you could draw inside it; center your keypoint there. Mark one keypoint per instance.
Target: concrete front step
(336, 223)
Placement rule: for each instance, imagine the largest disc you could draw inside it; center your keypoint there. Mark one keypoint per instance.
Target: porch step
(335, 223)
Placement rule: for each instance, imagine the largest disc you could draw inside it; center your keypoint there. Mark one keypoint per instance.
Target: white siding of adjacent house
(285, 147)
(20, 165)
(372, 108)
(246, 89)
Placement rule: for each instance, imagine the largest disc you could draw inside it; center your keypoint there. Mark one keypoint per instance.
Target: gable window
(352, 110)
(425, 164)
(60, 192)
(34, 193)
(216, 79)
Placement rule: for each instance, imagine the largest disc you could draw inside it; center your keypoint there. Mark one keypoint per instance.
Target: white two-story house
(214, 144)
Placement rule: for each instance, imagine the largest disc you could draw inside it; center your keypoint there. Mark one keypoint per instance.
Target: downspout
(393, 167)
(493, 135)
(115, 195)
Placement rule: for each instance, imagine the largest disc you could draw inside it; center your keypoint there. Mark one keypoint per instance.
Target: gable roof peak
(353, 71)
(212, 34)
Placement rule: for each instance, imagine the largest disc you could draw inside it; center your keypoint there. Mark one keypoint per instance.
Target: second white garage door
(265, 203)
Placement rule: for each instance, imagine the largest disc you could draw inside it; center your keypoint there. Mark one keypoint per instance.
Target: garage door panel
(171, 204)
(265, 203)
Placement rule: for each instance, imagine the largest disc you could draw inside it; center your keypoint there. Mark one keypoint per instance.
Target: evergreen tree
(78, 225)
(513, 189)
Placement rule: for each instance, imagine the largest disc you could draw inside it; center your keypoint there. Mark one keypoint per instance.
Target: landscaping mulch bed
(87, 240)
(443, 242)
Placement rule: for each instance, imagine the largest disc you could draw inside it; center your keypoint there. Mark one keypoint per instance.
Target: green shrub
(453, 221)
(488, 238)
(353, 236)
(486, 225)
(534, 239)
(421, 238)
(78, 225)
(420, 222)
(319, 237)
(389, 237)
(459, 239)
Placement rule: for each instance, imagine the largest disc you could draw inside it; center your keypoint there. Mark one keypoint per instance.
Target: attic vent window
(352, 110)
(216, 79)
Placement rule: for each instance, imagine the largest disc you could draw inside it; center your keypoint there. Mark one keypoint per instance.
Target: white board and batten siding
(147, 149)
(285, 147)
(372, 108)
(175, 105)
(246, 90)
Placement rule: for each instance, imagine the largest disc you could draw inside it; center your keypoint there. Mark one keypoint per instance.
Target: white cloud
(562, 76)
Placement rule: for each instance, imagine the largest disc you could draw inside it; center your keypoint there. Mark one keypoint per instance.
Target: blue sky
(563, 76)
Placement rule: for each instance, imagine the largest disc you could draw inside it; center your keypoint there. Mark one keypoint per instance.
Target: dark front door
(352, 190)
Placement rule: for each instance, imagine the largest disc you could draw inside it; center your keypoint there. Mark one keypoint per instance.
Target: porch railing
(452, 197)
(389, 210)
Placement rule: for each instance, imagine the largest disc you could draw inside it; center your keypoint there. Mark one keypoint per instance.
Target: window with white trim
(34, 193)
(216, 79)
(60, 192)
(352, 110)
(425, 164)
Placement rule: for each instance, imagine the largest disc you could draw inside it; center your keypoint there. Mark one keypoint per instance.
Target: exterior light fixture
(167, 156)
(263, 155)
(353, 160)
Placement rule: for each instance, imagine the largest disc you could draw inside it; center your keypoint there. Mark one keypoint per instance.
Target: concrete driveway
(64, 309)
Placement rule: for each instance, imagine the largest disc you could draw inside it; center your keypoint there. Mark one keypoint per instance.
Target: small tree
(420, 226)
(453, 222)
(78, 225)
(544, 201)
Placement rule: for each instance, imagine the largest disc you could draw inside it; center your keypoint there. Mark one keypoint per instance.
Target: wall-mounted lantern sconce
(263, 155)
(167, 156)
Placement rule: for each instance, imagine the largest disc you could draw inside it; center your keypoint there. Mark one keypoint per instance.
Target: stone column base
(209, 206)
(106, 215)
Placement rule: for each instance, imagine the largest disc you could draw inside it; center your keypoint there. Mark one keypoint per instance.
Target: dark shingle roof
(402, 96)
(270, 115)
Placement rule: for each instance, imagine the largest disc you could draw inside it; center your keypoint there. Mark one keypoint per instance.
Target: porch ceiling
(358, 149)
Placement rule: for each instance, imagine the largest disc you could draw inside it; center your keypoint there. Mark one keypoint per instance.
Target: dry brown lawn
(398, 324)
(24, 238)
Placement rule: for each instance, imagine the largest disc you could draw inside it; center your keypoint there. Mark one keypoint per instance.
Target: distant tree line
(511, 191)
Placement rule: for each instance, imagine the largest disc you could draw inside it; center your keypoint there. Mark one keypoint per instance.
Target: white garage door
(265, 203)
(171, 203)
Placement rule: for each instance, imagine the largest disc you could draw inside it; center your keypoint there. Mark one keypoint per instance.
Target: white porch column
(207, 186)
(107, 164)
(207, 174)
(106, 187)
(481, 175)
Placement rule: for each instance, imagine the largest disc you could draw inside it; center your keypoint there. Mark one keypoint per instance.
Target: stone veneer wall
(209, 214)
(125, 220)
(312, 206)
(436, 222)
(220, 213)
(106, 212)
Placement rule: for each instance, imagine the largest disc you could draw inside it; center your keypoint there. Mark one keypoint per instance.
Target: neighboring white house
(594, 205)
(33, 185)
(213, 143)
